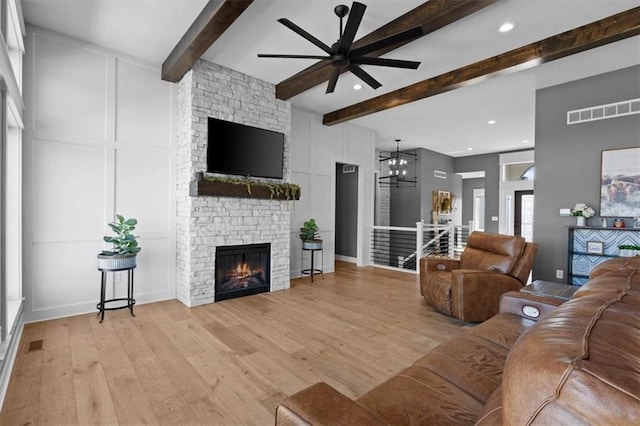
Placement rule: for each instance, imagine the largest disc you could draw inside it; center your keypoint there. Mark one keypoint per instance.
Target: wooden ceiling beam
(429, 16)
(608, 30)
(214, 20)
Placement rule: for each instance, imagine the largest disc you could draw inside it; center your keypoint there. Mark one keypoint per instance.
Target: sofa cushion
(503, 329)
(419, 396)
(452, 383)
(492, 413)
(320, 404)
(615, 265)
(609, 285)
(470, 362)
(576, 372)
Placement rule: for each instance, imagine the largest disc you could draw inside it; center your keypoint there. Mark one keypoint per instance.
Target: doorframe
(358, 207)
(477, 192)
(508, 188)
(362, 197)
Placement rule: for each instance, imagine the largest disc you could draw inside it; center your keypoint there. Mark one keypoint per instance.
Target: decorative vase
(580, 221)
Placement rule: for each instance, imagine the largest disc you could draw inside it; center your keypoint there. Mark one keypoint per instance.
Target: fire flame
(243, 270)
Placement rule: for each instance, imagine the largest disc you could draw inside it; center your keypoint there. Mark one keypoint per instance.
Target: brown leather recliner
(470, 288)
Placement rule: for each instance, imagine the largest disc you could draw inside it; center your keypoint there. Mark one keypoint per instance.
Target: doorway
(523, 215)
(478, 209)
(346, 234)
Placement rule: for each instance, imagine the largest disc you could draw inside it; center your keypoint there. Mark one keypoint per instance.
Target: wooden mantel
(226, 189)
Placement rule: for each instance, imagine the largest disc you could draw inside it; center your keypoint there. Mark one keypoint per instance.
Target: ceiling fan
(340, 53)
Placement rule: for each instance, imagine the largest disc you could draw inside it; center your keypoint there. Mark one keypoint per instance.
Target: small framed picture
(595, 247)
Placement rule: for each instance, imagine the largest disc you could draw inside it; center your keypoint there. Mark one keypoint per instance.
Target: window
(11, 122)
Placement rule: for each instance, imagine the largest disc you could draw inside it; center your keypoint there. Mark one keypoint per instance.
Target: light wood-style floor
(227, 363)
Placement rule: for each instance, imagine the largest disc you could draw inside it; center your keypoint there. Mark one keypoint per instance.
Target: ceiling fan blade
(364, 76)
(296, 29)
(383, 62)
(388, 41)
(333, 80)
(353, 23)
(276, 55)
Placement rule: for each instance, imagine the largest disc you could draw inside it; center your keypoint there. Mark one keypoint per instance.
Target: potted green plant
(125, 246)
(309, 235)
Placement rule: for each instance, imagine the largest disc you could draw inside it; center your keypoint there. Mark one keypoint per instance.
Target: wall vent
(602, 112)
(348, 168)
(439, 174)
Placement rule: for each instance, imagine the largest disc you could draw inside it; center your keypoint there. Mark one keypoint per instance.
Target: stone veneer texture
(210, 90)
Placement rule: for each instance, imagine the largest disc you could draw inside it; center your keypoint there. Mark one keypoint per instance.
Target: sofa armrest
(434, 264)
(320, 404)
(527, 305)
(475, 294)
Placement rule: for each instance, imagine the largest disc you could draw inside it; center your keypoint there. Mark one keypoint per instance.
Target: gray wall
(346, 212)
(490, 163)
(405, 206)
(412, 204)
(405, 203)
(568, 157)
(429, 162)
(468, 185)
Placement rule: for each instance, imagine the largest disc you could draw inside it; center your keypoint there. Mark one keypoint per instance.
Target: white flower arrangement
(581, 209)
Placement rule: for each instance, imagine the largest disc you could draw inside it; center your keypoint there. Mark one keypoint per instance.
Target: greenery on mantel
(290, 191)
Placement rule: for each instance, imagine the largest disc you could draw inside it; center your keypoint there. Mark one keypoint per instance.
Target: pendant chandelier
(398, 168)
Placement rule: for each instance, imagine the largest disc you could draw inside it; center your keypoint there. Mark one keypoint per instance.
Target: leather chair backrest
(522, 268)
(492, 252)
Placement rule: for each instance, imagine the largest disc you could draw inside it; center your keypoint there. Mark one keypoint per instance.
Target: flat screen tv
(237, 149)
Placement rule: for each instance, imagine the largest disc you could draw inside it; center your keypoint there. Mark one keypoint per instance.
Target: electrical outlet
(559, 274)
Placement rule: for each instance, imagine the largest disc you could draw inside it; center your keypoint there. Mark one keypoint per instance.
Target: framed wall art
(595, 247)
(620, 183)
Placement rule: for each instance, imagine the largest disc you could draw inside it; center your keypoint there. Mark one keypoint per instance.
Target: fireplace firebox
(242, 270)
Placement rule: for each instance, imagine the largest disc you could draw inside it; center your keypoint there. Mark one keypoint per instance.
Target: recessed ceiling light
(525, 141)
(491, 122)
(357, 86)
(469, 149)
(506, 27)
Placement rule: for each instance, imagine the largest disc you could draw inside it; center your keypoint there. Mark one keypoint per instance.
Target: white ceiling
(454, 123)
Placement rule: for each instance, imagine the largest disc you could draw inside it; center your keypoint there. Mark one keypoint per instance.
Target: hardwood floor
(227, 363)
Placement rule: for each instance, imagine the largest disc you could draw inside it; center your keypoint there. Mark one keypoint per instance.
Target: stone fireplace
(205, 223)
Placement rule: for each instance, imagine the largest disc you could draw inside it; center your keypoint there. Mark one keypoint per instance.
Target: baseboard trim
(346, 258)
(9, 359)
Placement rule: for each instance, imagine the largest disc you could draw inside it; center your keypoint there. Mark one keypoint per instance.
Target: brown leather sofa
(470, 288)
(576, 363)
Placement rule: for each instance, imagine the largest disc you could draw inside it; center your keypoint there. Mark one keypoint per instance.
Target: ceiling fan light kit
(341, 55)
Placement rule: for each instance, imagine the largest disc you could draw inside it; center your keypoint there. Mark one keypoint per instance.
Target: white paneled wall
(98, 141)
(315, 150)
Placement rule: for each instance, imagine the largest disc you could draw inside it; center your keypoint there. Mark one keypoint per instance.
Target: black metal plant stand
(129, 299)
(312, 271)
